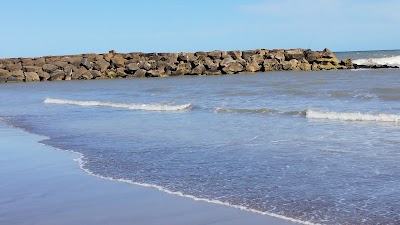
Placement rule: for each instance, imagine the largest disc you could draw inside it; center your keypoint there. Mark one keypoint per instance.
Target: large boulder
(85, 63)
(200, 69)
(247, 54)
(185, 68)
(101, 65)
(253, 66)
(13, 66)
(32, 69)
(57, 75)
(27, 61)
(216, 54)
(232, 68)
(131, 68)
(97, 74)
(43, 76)
(276, 54)
(118, 61)
(145, 65)
(49, 68)
(304, 65)
(140, 73)
(39, 61)
(211, 65)
(31, 76)
(297, 54)
(271, 65)
(347, 63)
(4, 74)
(290, 65)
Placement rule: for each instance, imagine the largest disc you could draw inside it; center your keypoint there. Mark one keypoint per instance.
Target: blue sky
(37, 28)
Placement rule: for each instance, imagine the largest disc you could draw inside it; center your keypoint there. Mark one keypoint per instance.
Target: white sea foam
(131, 106)
(81, 162)
(345, 116)
(390, 61)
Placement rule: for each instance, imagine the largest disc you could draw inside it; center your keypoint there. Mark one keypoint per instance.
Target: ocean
(317, 147)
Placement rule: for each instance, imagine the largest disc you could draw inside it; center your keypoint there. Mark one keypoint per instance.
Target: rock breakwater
(118, 65)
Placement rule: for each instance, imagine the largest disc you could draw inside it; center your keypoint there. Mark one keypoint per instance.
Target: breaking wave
(257, 111)
(316, 114)
(131, 106)
(345, 116)
(390, 61)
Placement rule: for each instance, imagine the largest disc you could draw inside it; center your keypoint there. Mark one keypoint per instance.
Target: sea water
(314, 147)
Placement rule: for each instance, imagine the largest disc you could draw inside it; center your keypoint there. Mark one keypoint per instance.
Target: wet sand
(41, 185)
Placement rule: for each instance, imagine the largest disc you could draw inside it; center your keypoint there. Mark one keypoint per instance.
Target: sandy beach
(41, 185)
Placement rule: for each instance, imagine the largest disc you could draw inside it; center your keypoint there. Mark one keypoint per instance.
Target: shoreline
(111, 193)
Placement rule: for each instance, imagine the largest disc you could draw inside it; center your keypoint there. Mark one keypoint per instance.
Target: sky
(38, 28)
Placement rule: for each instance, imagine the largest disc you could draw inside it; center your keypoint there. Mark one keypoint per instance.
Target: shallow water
(314, 146)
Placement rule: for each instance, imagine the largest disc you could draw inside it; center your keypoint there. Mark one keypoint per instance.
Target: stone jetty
(138, 64)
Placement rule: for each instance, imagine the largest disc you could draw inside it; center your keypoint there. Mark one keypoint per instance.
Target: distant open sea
(313, 147)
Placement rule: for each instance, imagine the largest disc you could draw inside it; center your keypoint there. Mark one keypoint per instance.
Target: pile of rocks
(116, 65)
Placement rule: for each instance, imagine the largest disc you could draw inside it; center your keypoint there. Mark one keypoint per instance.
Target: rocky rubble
(117, 65)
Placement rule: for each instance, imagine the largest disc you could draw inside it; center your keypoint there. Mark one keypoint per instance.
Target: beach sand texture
(41, 185)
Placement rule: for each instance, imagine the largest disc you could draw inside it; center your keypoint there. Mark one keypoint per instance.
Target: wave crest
(131, 106)
(315, 114)
(390, 61)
